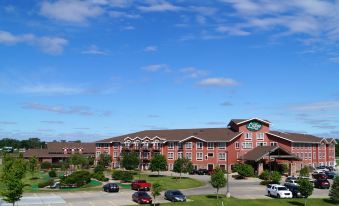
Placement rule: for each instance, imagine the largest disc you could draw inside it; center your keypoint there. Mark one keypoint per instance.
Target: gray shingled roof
(296, 137)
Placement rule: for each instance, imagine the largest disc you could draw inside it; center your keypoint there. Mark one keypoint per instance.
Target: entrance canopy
(266, 152)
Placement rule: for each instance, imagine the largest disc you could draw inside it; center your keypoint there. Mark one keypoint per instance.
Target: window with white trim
(237, 145)
(260, 144)
(222, 156)
(314, 155)
(180, 155)
(170, 155)
(210, 145)
(273, 144)
(98, 154)
(188, 145)
(260, 136)
(179, 145)
(310, 155)
(247, 145)
(171, 145)
(189, 155)
(221, 145)
(115, 155)
(248, 136)
(210, 154)
(199, 155)
(115, 145)
(199, 145)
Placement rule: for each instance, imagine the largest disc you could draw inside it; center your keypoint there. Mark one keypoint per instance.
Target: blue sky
(99, 68)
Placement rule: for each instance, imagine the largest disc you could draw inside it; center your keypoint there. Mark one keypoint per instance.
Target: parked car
(278, 191)
(202, 172)
(330, 168)
(330, 175)
(141, 185)
(141, 197)
(175, 196)
(294, 189)
(319, 176)
(322, 183)
(111, 187)
(323, 168)
(193, 172)
(291, 181)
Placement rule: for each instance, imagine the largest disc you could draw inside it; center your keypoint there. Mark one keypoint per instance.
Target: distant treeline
(31, 143)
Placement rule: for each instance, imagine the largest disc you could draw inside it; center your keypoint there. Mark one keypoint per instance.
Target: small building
(60, 151)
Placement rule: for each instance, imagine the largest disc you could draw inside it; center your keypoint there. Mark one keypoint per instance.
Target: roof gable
(242, 121)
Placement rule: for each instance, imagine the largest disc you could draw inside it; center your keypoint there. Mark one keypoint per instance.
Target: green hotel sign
(254, 126)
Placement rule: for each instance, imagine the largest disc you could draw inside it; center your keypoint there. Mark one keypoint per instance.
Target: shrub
(45, 183)
(99, 176)
(275, 177)
(127, 176)
(245, 170)
(56, 165)
(79, 178)
(265, 182)
(283, 168)
(99, 168)
(117, 174)
(52, 173)
(46, 165)
(265, 175)
(334, 191)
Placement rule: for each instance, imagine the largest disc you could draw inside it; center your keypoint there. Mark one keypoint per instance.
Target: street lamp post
(228, 193)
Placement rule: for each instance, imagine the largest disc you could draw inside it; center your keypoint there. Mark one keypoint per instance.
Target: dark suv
(111, 187)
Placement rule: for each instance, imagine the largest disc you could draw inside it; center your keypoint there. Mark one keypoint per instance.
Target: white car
(291, 182)
(278, 191)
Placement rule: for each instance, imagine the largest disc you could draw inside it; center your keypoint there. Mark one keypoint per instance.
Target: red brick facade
(209, 151)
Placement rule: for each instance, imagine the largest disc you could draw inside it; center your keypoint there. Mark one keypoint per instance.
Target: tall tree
(104, 160)
(158, 163)
(182, 165)
(156, 189)
(14, 170)
(130, 160)
(33, 165)
(305, 188)
(218, 180)
(334, 191)
(78, 160)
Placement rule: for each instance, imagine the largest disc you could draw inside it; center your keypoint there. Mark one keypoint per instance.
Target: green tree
(276, 177)
(104, 160)
(218, 179)
(33, 165)
(156, 189)
(182, 165)
(130, 160)
(305, 188)
(245, 170)
(265, 175)
(78, 160)
(13, 171)
(305, 171)
(158, 163)
(334, 191)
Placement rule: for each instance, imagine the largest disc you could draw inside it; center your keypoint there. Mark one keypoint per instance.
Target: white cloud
(218, 82)
(232, 31)
(326, 105)
(50, 45)
(120, 14)
(200, 19)
(7, 122)
(156, 68)
(93, 49)
(193, 72)
(52, 122)
(159, 6)
(151, 48)
(51, 89)
(128, 28)
(203, 10)
(74, 11)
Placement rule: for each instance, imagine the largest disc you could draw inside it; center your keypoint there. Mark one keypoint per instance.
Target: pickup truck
(278, 191)
(141, 185)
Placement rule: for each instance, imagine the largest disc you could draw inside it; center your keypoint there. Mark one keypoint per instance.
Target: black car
(175, 196)
(193, 172)
(322, 183)
(330, 175)
(111, 187)
(294, 189)
(202, 172)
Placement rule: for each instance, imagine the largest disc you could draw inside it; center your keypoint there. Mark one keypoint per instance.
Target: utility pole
(228, 193)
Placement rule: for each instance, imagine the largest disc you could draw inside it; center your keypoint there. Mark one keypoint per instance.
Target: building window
(274, 144)
(115, 145)
(98, 154)
(247, 145)
(310, 155)
(314, 155)
(301, 155)
(115, 155)
(179, 145)
(222, 156)
(210, 154)
(171, 145)
(210, 145)
(260, 144)
(189, 155)
(260, 136)
(180, 155)
(237, 145)
(199, 145)
(199, 155)
(188, 145)
(248, 136)
(221, 145)
(170, 155)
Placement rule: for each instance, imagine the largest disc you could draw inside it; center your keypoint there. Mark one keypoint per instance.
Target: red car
(141, 185)
(141, 197)
(319, 176)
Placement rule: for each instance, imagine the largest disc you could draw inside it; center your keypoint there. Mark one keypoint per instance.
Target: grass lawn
(210, 200)
(169, 182)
